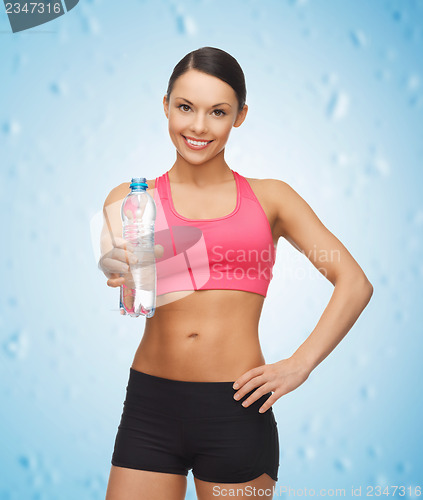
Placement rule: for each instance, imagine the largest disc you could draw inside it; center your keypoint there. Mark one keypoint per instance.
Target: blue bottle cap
(138, 182)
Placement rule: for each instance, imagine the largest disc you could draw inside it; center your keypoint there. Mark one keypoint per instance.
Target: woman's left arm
(297, 222)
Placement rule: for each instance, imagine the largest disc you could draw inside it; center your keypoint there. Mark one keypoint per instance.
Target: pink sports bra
(233, 252)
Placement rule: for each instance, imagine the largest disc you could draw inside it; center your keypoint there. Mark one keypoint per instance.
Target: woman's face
(193, 114)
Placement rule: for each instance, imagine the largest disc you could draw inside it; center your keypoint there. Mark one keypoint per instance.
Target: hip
(174, 426)
(189, 400)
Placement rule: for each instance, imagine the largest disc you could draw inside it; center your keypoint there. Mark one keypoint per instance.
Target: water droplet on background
(338, 105)
(16, 345)
(342, 464)
(11, 127)
(358, 38)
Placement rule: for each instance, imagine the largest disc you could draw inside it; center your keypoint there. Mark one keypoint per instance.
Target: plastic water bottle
(138, 218)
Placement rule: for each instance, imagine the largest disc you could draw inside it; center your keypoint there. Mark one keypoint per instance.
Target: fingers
(269, 402)
(118, 262)
(115, 280)
(122, 243)
(248, 387)
(257, 394)
(124, 256)
(158, 251)
(114, 283)
(254, 372)
(113, 266)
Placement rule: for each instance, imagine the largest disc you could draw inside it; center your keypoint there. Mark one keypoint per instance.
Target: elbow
(359, 284)
(365, 287)
(369, 289)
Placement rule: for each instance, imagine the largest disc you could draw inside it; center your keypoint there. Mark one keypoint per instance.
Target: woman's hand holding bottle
(116, 263)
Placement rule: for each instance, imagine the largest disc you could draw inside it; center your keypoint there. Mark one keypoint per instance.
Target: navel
(193, 335)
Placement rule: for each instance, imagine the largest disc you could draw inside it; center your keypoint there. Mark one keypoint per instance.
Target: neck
(214, 171)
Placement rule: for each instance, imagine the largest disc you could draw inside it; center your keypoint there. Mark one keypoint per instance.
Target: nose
(198, 125)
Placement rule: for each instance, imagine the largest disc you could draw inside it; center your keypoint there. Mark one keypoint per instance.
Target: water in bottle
(138, 218)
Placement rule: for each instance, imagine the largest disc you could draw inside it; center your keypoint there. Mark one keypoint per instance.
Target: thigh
(133, 484)
(261, 487)
(149, 437)
(234, 450)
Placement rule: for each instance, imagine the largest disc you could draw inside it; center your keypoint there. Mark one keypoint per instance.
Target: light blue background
(335, 97)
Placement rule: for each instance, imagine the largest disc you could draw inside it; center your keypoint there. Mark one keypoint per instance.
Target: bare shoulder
(118, 193)
(151, 184)
(282, 201)
(272, 191)
(267, 184)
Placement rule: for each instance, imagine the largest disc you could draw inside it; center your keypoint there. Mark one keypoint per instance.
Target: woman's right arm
(116, 253)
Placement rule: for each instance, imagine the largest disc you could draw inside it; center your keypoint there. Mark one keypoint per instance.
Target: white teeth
(195, 143)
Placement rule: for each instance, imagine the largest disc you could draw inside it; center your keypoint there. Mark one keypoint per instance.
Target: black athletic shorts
(173, 426)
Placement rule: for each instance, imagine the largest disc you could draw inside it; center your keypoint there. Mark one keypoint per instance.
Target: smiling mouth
(196, 140)
(198, 147)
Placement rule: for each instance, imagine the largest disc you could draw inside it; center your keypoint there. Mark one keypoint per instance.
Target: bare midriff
(206, 336)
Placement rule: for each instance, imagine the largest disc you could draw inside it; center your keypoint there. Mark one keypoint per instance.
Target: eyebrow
(220, 104)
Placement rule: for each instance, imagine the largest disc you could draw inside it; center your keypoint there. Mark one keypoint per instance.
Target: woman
(200, 393)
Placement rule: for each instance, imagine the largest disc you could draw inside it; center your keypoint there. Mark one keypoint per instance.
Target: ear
(165, 106)
(241, 116)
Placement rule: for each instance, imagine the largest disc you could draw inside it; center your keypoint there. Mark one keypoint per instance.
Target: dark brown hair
(215, 62)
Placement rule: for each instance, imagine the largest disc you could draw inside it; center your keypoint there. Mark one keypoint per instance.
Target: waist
(178, 398)
(199, 354)
(207, 335)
